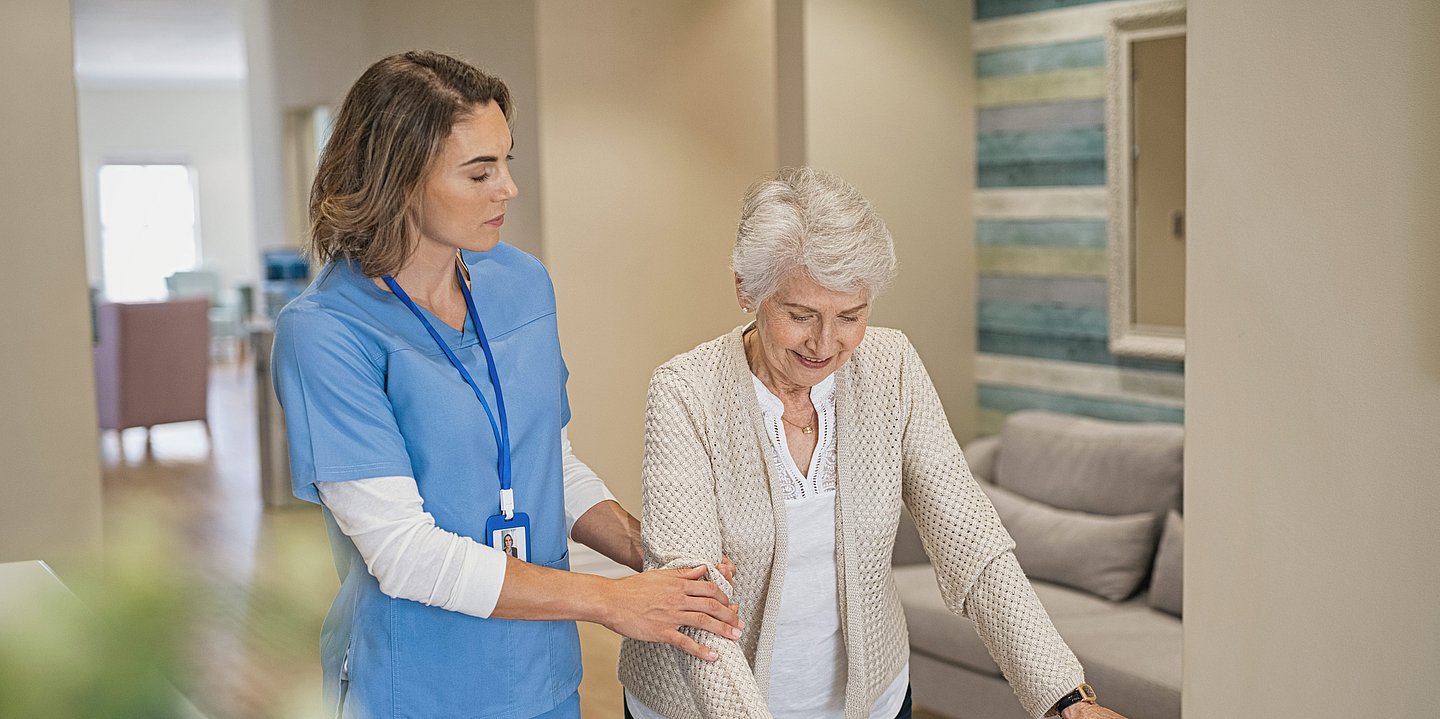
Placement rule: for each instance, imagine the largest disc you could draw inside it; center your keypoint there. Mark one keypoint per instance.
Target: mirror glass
(1158, 165)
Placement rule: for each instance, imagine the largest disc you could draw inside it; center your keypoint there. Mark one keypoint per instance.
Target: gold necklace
(804, 428)
(745, 341)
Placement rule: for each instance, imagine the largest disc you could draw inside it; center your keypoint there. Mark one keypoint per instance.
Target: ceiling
(159, 41)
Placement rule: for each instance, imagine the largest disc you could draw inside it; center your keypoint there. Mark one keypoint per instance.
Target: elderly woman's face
(806, 332)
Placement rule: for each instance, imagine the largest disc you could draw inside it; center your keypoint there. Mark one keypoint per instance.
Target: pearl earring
(746, 310)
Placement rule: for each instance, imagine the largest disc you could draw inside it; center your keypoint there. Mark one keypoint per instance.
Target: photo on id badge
(512, 541)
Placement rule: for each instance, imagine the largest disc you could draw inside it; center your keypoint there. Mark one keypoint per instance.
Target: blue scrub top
(368, 393)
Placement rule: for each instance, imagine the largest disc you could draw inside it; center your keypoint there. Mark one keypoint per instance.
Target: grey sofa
(1094, 510)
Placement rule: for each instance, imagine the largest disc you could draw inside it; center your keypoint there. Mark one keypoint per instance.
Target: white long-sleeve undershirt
(414, 559)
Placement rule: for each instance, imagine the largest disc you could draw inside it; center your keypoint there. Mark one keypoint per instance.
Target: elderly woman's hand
(1088, 711)
(726, 569)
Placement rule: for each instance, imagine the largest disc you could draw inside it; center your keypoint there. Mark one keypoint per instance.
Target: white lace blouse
(820, 477)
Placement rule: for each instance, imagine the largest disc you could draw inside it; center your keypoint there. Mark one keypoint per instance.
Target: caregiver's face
(468, 186)
(806, 331)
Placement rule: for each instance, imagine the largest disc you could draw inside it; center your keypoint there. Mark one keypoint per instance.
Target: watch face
(1086, 693)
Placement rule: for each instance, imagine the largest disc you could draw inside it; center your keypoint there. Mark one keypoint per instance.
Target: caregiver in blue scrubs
(424, 395)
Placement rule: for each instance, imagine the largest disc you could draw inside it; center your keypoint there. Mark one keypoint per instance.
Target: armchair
(152, 363)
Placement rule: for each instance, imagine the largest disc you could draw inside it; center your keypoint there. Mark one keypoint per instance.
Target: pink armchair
(152, 363)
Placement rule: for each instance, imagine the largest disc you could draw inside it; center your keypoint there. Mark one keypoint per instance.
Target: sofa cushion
(908, 547)
(1091, 465)
(980, 454)
(1105, 555)
(934, 630)
(1167, 580)
(1131, 653)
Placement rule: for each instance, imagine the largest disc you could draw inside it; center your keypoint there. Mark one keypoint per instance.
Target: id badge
(511, 536)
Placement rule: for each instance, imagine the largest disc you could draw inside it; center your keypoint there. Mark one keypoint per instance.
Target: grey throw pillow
(1091, 465)
(1101, 554)
(1168, 579)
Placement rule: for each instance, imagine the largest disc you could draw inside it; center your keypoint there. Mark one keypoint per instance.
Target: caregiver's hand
(652, 606)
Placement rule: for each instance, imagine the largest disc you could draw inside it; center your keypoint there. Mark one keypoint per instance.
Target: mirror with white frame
(1145, 107)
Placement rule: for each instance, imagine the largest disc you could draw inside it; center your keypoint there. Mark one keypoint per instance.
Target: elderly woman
(790, 445)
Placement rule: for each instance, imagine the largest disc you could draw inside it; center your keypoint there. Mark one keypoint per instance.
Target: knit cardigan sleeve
(681, 528)
(987, 586)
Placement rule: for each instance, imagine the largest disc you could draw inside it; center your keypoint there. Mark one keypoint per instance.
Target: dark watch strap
(1074, 697)
(1082, 693)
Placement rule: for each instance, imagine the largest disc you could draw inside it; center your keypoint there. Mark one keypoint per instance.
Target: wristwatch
(1082, 693)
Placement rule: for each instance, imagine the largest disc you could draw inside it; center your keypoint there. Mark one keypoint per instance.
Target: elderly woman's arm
(681, 528)
(978, 575)
(1020, 636)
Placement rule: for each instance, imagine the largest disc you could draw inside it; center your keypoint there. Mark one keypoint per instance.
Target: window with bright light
(147, 228)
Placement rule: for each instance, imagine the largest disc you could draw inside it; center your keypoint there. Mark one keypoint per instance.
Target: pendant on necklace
(804, 429)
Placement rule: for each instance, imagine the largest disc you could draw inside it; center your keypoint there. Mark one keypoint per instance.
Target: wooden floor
(259, 579)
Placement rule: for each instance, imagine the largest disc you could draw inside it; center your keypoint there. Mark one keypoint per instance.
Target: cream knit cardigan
(708, 491)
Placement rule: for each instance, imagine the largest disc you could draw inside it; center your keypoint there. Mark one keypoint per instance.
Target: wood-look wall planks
(1041, 116)
(1083, 22)
(1041, 209)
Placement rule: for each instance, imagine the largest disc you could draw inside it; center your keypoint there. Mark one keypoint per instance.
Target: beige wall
(889, 91)
(1313, 367)
(319, 49)
(305, 53)
(654, 118)
(50, 487)
(301, 53)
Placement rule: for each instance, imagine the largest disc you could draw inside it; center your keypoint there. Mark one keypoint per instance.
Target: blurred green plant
(128, 635)
(112, 657)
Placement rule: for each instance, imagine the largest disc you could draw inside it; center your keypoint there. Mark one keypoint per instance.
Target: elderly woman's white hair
(808, 220)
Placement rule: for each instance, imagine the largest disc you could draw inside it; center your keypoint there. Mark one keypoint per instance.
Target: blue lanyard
(502, 430)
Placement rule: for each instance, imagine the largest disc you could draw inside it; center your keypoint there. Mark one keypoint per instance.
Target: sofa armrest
(908, 548)
(981, 454)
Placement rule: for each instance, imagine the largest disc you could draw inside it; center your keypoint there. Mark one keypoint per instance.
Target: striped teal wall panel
(1077, 143)
(1041, 158)
(1010, 399)
(1042, 203)
(1053, 86)
(1071, 349)
(1041, 233)
(1083, 22)
(1042, 261)
(1041, 116)
(986, 9)
(1076, 173)
(1123, 384)
(1041, 58)
(1060, 290)
(1043, 318)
